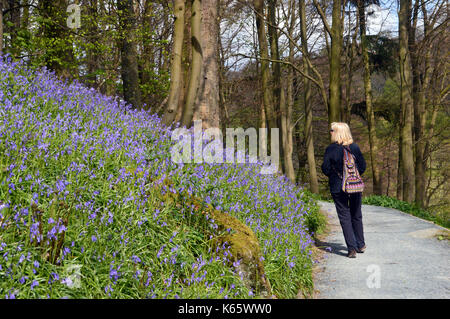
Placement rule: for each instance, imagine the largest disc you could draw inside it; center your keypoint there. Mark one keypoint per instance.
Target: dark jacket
(333, 162)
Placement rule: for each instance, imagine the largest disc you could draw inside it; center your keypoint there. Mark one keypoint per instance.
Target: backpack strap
(348, 154)
(345, 155)
(347, 148)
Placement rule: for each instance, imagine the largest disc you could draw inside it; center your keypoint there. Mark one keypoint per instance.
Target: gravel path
(404, 259)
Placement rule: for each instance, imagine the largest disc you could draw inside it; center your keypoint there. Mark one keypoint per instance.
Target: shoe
(351, 254)
(361, 250)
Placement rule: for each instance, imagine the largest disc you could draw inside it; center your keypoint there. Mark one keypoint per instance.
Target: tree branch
(322, 16)
(295, 67)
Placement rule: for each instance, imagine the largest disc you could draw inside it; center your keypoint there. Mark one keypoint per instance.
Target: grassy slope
(83, 212)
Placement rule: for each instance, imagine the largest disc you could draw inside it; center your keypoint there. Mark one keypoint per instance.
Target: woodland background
(381, 66)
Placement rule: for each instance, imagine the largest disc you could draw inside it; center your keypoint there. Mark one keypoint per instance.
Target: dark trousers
(348, 207)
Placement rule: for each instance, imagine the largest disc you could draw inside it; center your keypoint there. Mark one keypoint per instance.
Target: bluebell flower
(34, 284)
(67, 281)
(135, 259)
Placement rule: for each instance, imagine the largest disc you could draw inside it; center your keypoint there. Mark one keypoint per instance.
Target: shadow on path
(330, 247)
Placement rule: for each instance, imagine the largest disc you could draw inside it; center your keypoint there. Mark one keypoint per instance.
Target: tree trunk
(14, 19)
(406, 107)
(92, 61)
(196, 66)
(373, 141)
(287, 128)
(388, 166)
(276, 76)
(275, 55)
(147, 59)
(436, 97)
(289, 146)
(335, 64)
(399, 189)
(176, 72)
(223, 112)
(26, 14)
(420, 168)
(207, 107)
(165, 34)
(419, 90)
(308, 132)
(129, 65)
(186, 60)
(288, 107)
(59, 47)
(351, 51)
(265, 72)
(301, 154)
(416, 88)
(285, 131)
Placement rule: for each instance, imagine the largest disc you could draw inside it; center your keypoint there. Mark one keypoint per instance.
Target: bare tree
(265, 71)
(373, 141)
(422, 70)
(406, 104)
(349, 66)
(335, 33)
(176, 67)
(129, 65)
(207, 106)
(196, 66)
(287, 102)
(308, 132)
(93, 37)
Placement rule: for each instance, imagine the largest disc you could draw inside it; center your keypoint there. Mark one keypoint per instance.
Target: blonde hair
(342, 134)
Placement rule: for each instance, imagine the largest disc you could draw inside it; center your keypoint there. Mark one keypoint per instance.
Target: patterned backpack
(351, 181)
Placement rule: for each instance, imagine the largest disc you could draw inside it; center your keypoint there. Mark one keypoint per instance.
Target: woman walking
(348, 205)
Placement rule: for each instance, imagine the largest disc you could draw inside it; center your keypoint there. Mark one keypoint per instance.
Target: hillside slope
(84, 209)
